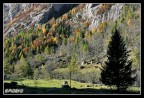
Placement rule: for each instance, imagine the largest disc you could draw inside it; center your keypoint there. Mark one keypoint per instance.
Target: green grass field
(51, 83)
(55, 87)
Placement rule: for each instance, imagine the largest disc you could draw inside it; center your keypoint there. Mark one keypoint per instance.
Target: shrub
(36, 74)
(39, 58)
(60, 73)
(14, 77)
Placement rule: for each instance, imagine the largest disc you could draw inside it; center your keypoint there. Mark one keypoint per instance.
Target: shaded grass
(54, 87)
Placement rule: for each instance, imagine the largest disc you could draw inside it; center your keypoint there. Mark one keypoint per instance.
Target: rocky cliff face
(18, 17)
(111, 14)
(56, 10)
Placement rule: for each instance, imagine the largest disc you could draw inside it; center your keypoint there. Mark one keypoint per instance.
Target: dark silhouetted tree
(117, 69)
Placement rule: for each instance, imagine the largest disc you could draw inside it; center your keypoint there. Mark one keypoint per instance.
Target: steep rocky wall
(18, 17)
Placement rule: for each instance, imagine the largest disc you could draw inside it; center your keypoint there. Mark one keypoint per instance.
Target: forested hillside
(75, 42)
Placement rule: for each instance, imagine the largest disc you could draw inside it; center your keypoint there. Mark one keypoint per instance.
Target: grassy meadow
(54, 86)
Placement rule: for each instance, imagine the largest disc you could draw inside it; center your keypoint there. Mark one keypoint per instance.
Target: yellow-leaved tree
(129, 22)
(93, 30)
(100, 27)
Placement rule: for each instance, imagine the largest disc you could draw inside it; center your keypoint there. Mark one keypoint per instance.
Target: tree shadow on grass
(54, 90)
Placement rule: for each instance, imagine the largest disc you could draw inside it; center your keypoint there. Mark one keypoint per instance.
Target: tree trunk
(70, 79)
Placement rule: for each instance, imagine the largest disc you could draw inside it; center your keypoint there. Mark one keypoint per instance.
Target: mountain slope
(82, 33)
(18, 17)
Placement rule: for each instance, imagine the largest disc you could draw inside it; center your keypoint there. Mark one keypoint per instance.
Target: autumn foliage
(65, 17)
(87, 24)
(52, 21)
(80, 6)
(129, 22)
(14, 49)
(74, 10)
(55, 39)
(100, 27)
(72, 39)
(37, 42)
(20, 41)
(26, 50)
(49, 40)
(54, 26)
(103, 8)
(93, 30)
(44, 30)
(87, 35)
(77, 31)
